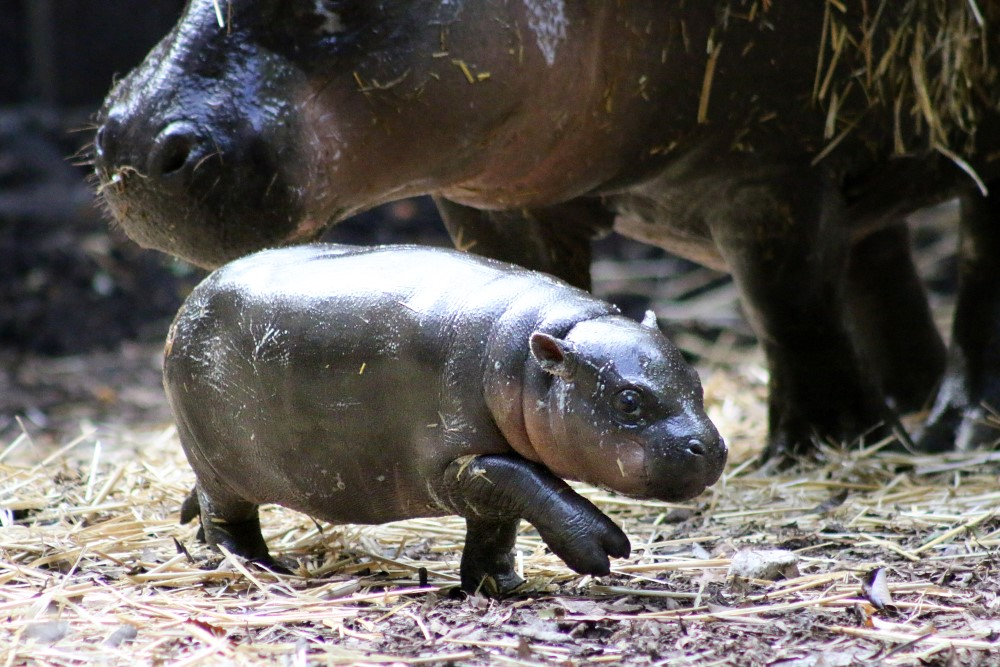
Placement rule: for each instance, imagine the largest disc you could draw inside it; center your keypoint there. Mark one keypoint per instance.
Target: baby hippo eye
(628, 402)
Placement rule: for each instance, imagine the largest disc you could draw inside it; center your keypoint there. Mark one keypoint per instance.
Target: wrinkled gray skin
(371, 385)
(583, 115)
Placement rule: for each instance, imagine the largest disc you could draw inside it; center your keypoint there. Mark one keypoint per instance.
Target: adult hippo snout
(171, 158)
(207, 169)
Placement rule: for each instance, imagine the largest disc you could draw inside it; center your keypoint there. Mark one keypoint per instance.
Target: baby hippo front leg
(495, 492)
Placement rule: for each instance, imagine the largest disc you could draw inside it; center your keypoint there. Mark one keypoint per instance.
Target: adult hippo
(781, 141)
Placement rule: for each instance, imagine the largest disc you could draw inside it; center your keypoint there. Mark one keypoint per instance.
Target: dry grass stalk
(921, 75)
(714, 50)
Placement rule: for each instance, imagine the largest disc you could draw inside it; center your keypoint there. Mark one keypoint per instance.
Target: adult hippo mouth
(205, 225)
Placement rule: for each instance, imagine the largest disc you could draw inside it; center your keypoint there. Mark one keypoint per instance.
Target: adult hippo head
(259, 122)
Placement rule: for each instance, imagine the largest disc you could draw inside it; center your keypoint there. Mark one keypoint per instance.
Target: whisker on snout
(90, 127)
(204, 159)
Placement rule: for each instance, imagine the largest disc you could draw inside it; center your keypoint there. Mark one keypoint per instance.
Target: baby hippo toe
(588, 547)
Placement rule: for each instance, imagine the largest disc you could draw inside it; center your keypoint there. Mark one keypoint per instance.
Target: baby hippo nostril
(696, 447)
(174, 149)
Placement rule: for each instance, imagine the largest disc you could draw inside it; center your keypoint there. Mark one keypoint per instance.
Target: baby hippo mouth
(682, 470)
(671, 470)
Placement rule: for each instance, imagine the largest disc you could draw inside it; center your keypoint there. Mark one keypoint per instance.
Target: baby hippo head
(624, 411)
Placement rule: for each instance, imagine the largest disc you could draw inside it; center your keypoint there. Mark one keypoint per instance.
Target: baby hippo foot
(242, 538)
(488, 558)
(191, 510)
(494, 492)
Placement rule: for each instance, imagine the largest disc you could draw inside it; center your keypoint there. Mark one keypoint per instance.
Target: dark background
(66, 284)
(69, 282)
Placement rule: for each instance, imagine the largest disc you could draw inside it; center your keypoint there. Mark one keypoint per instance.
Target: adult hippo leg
(970, 391)
(494, 492)
(781, 231)
(891, 320)
(555, 240)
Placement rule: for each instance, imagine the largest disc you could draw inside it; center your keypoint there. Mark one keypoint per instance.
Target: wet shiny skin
(346, 383)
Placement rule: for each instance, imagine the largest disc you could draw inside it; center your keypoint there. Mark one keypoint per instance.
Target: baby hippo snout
(681, 465)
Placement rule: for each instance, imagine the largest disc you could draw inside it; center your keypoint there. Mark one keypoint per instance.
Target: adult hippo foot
(494, 492)
(835, 403)
(964, 415)
(797, 439)
(959, 427)
(962, 418)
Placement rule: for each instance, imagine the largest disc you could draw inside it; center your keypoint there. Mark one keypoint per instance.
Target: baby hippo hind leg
(494, 492)
(230, 522)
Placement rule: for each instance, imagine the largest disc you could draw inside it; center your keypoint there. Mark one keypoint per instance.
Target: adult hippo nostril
(175, 149)
(107, 144)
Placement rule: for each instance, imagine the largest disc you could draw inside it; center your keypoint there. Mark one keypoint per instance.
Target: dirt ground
(869, 557)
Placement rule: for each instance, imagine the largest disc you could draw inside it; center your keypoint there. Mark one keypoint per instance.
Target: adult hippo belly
(781, 141)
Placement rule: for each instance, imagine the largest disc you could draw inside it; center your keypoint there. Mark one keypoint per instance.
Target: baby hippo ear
(649, 320)
(554, 355)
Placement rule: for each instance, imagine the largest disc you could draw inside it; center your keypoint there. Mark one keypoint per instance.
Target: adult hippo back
(781, 141)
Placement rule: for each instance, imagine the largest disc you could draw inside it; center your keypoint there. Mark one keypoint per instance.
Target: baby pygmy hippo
(367, 385)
